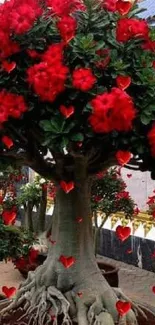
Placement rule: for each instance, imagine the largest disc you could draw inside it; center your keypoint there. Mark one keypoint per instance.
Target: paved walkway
(135, 282)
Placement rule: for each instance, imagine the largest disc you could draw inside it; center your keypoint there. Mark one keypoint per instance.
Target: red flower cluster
(65, 7)
(131, 28)
(149, 45)
(122, 195)
(11, 105)
(48, 77)
(67, 26)
(21, 14)
(112, 111)
(83, 79)
(151, 139)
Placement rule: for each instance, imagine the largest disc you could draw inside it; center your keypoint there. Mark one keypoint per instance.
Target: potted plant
(77, 96)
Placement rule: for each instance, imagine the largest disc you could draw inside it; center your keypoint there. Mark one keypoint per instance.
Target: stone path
(135, 282)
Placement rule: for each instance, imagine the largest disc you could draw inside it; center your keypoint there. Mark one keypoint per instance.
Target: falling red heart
(129, 251)
(123, 7)
(53, 317)
(66, 111)
(9, 292)
(67, 261)
(123, 82)
(9, 217)
(79, 219)
(67, 187)
(123, 232)
(8, 66)
(123, 307)
(123, 157)
(7, 141)
(80, 294)
(129, 175)
(79, 144)
(136, 211)
(153, 289)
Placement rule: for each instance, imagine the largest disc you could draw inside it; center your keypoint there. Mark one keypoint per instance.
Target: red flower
(112, 111)
(122, 195)
(151, 139)
(65, 7)
(7, 141)
(34, 54)
(67, 27)
(131, 28)
(53, 54)
(11, 105)
(149, 45)
(110, 5)
(83, 79)
(48, 81)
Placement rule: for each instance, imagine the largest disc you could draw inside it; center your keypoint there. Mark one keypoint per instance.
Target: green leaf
(77, 137)
(145, 119)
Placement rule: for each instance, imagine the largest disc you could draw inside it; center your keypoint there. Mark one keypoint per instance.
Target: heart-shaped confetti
(80, 294)
(9, 292)
(67, 261)
(7, 141)
(67, 187)
(123, 307)
(123, 7)
(153, 289)
(129, 251)
(53, 242)
(129, 175)
(79, 144)
(9, 217)
(79, 219)
(123, 157)
(66, 111)
(123, 232)
(123, 82)
(8, 66)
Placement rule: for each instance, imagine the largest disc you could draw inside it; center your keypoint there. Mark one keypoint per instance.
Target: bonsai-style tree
(77, 84)
(109, 196)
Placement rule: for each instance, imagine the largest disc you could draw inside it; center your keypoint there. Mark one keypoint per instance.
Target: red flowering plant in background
(77, 84)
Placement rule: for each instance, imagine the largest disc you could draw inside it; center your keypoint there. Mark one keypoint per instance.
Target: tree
(108, 196)
(77, 87)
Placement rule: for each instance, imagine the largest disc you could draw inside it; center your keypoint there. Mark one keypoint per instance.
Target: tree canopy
(77, 79)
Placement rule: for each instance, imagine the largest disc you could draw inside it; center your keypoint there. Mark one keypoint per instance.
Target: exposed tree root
(43, 305)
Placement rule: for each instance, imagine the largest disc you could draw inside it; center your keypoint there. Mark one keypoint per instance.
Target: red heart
(123, 232)
(80, 294)
(136, 211)
(123, 307)
(129, 251)
(129, 175)
(123, 82)
(123, 7)
(123, 157)
(67, 187)
(67, 261)
(153, 289)
(79, 219)
(79, 144)
(7, 141)
(66, 111)
(9, 217)
(9, 292)
(8, 66)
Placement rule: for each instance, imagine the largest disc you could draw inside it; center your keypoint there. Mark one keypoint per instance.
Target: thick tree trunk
(79, 292)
